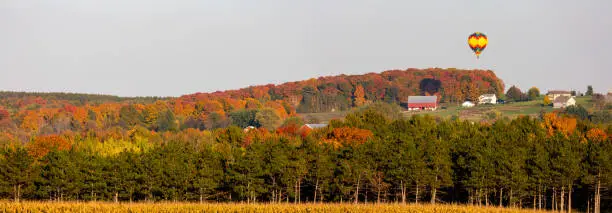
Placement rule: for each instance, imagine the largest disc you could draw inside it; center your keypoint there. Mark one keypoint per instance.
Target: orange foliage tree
(31, 121)
(44, 144)
(596, 135)
(554, 123)
(256, 135)
(359, 96)
(348, 136)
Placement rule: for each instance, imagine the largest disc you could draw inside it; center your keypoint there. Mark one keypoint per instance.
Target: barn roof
(422, 99)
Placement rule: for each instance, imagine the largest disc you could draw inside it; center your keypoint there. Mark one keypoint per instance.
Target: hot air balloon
(478, 42)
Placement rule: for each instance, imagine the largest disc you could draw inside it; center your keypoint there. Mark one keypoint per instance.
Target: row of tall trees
(554, 162)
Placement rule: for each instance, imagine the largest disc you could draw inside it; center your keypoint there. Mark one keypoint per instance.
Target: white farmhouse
(487, 99)
(564, 101)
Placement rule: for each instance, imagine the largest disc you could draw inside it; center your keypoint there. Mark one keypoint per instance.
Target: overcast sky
(170, 48)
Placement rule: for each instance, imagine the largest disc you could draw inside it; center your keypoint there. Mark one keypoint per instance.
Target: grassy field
(227, 207)
(477, 113)
(323, 117)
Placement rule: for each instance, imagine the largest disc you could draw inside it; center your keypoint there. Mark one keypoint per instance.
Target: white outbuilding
(467, 104)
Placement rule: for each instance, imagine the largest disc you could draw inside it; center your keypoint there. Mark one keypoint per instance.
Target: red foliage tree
(4, 114)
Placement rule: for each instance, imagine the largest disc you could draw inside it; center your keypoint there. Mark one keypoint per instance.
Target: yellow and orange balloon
(478, 42)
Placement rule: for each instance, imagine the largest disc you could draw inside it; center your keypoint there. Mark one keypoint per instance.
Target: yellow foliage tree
(546, 101)
(473, 92)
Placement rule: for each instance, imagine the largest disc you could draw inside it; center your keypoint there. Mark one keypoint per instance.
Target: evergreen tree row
(553, 162)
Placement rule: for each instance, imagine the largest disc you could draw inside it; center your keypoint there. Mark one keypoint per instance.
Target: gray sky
(170, 48)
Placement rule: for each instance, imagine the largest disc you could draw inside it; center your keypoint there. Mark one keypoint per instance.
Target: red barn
(422, 102)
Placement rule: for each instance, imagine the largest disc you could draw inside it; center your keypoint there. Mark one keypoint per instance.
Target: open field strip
(240, 207)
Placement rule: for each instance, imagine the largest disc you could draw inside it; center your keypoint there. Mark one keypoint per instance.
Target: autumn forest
(195, 148)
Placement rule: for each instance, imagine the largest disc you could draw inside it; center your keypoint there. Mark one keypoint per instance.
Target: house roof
(562, 99)
(558, 92)
(315, 126)
(488, 95)
(422, 99)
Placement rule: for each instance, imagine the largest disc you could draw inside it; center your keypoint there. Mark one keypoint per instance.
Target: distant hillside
(267, 105)
(332, 93)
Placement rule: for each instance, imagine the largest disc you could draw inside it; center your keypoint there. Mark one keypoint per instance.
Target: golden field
(238, 207)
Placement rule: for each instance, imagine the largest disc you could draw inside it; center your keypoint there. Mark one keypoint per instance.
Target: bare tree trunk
(540, 197)
(433, 195)
(378, 195)
(486, 194)
(471, 197)
(510, 201)
(589, 205)
(249, 192)
(597, 195)
(92, 193)
(535, 195)
(478, 196)
(403, 190)
(357, 190)
(18, 195)
(116, 197)
(295, 199)
(562, 198)
(554, 202)
(315, 191)
(501, 196)
(365, 195)
(416, 196)
(569, 198)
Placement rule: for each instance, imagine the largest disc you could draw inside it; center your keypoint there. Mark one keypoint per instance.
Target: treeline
(554, 162)
(20, 99)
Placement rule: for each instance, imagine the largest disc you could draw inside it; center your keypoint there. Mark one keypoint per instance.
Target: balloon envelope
(478, 42)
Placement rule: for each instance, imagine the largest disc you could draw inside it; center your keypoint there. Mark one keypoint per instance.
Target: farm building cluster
(559, 99)
(416, 103)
